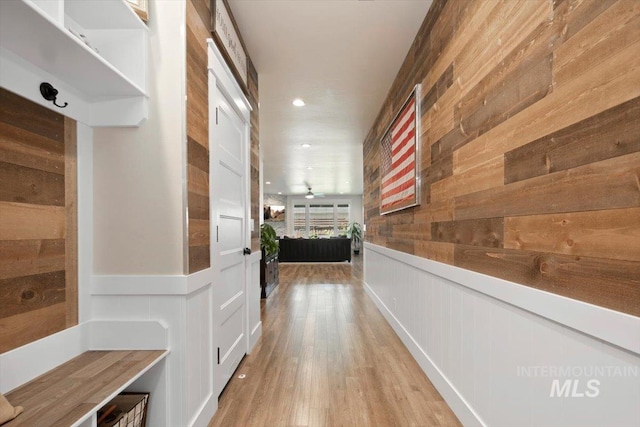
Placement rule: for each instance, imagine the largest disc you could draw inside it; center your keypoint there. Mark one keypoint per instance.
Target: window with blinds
(300, 220)
(322, 219)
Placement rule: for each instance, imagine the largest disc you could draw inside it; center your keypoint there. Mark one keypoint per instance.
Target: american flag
(399, 160)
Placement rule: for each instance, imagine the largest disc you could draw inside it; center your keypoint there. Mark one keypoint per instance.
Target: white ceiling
(340, 57)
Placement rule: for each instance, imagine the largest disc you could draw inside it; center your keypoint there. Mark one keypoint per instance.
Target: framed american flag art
(400, 158)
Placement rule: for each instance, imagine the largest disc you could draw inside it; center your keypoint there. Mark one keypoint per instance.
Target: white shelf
(37, 40)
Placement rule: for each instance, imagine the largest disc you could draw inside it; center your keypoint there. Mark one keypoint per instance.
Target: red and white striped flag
(398, 164)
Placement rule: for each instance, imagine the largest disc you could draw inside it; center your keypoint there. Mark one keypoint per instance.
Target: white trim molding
(151, 285)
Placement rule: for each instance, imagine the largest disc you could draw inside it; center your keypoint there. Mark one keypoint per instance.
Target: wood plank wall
(198, 24)
(256, 209)
(38, 222)
(530, 156)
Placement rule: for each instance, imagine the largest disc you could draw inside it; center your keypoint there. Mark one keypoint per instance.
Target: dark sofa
(315, 250)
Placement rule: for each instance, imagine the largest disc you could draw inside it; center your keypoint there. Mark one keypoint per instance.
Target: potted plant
(268, 240)
(354, 231)
(269, 262)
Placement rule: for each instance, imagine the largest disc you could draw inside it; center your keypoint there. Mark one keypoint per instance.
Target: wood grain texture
(28, 293)
(256, 208)
(598, 41)
(613, 234)
(199, 232)
(71, 219)
(199, 258)
(30, 326)
(26, 257)
(530, 113)
(198, 156)
(613, 284)
(198, 181)
(21, 113)
(198, 206)
(605, 86)
(22, 221)
(65, 394)
(21, 147)
(614, 132)
(609, 184)
(198, 246)
(436, 251)
(27, 185)
(327, 357)
(478, 232)
(38, 213)
(489, 174)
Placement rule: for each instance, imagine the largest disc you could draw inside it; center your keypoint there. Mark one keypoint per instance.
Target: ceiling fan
(310, 194)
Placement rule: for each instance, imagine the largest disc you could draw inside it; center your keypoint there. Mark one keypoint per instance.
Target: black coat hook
(50, 94)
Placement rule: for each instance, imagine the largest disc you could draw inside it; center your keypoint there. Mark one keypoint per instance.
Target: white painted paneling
(253, 299)
(171, 310)
(188, 371)
(25, 363)
(154, 382)
(199, 357)
(493, 348)
(127, 335)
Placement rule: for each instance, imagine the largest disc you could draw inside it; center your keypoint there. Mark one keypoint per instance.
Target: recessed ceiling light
(268, 182)
(346, 182)
(298, 102)
(342, 192)
(279, 192)
(309, 168)
(306, 145)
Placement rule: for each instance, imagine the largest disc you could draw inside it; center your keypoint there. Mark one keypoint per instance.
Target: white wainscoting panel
(25, 363)
(499, 355)
(253, 299)
(200, 360)
(183, 304)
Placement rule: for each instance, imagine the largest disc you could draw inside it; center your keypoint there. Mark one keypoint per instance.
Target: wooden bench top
(67, 394)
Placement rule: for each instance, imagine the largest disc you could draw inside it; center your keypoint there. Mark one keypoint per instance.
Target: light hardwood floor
(327, 357)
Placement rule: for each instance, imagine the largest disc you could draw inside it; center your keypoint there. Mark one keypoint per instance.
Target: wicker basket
(125, 410)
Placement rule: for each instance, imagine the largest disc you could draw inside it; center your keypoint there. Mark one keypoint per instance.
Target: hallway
(327, 357)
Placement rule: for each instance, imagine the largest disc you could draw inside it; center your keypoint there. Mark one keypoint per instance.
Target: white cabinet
(93, 51)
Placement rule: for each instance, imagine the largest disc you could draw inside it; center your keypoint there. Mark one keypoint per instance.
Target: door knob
(247, 251)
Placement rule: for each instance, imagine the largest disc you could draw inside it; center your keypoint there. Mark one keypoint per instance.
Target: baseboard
(206, 412)
(256, 333)
(456, 402)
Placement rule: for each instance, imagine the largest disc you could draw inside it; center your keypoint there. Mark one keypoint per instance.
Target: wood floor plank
(327, 357)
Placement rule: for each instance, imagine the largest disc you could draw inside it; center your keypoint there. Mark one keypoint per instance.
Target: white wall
(139, 172)
(491, 346)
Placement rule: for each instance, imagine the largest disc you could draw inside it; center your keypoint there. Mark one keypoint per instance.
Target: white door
(228, 139)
